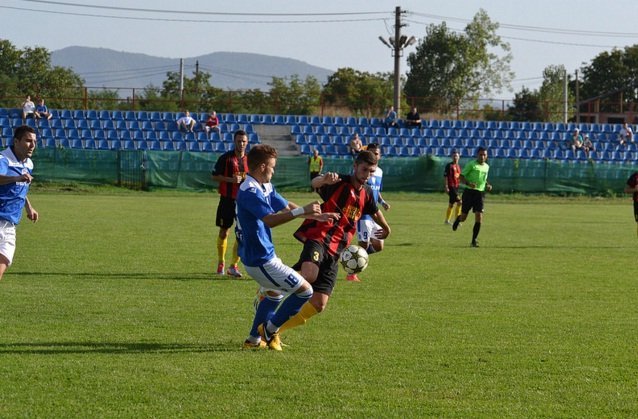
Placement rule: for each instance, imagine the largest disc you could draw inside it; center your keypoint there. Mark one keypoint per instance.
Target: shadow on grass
(57, 348)
(195, 276)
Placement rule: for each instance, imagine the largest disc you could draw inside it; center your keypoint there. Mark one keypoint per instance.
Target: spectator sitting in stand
(355, 145)
(41, 111)
(391, 118)
(588, 146)
(28, 109)
(626, 135)
(186, 122)
(576, 140)
(413, 119)
(212, 123)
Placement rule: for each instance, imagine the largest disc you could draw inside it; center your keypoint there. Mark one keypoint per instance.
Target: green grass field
(111, 310)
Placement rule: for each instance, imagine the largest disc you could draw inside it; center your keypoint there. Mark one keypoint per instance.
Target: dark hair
(373, 146)
(480, 149)
(259, 154)
(239, 132)
(21, 131)
(366, 156)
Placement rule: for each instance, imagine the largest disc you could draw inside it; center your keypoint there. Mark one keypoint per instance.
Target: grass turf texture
(111, 310)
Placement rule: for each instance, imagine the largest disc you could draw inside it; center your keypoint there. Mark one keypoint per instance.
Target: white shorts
(366, 230)
(7, 240)
(274, 275)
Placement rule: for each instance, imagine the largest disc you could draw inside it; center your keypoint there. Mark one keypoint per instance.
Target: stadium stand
(142, 130)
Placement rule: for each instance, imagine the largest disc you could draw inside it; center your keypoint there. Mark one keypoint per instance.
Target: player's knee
(305, 293)
(318, 303)
(274, 295)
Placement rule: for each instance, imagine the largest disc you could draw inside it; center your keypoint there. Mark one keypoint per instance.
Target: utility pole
(397, 60)
(396, 44)
(181, 83)
(197, 78)
(577, 99)
(565, 98)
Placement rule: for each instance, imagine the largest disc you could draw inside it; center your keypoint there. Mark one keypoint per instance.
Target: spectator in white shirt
(186, 122)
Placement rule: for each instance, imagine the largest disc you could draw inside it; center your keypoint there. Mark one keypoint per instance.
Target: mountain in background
(101, 67)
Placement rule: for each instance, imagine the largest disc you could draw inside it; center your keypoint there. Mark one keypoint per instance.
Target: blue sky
(540, 32)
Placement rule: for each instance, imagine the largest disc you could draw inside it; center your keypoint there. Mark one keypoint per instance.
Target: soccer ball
(354, 259)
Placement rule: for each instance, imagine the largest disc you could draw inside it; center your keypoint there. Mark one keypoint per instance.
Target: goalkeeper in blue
(259, 209)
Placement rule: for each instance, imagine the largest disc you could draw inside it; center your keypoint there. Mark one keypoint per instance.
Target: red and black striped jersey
(229, 165)
(344, 199)
(452, 173)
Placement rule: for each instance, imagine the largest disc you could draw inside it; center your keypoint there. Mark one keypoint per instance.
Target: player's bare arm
(328, 178)
(385, 230)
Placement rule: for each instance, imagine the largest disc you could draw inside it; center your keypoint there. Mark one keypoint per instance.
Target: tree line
(448, 75)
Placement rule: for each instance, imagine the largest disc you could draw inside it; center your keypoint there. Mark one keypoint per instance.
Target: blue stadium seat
(193, 146)
(104, 115)
(207, 147)
(108, 124)
(154, 145)
(142, 116)
(117, 115)
(50, 143)
(76, 143)
(103, 144)
(86, 134)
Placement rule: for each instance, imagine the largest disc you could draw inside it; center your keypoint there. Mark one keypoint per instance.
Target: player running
(451, 182)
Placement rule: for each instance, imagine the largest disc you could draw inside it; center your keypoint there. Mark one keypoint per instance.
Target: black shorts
(636, 211)
(314, 175)
(472, 199)
(225, 212)
(328, 265)
(454, 195)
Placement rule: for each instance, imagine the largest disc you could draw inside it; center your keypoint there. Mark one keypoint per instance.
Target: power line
(132, 9)
(191, 20)
(540, 41)
(563, 31)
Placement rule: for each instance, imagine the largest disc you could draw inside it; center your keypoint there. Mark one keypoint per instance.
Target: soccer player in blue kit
(259, 209)
(15, 178)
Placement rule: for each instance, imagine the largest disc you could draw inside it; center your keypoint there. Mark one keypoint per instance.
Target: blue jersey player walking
(15, 177)
(259, 209)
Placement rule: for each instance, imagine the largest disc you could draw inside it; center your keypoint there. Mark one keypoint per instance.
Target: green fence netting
(191, 171)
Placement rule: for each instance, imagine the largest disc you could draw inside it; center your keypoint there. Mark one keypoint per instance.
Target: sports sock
(235, 253)
(264, 312)
(448, 214)
(299, 319)
(370, 250)
(291, 306)
(458, 210)
(475, 232)
(456, 223)
(222, 244)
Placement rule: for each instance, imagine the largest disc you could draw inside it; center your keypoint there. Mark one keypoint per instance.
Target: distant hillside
(101, 67)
